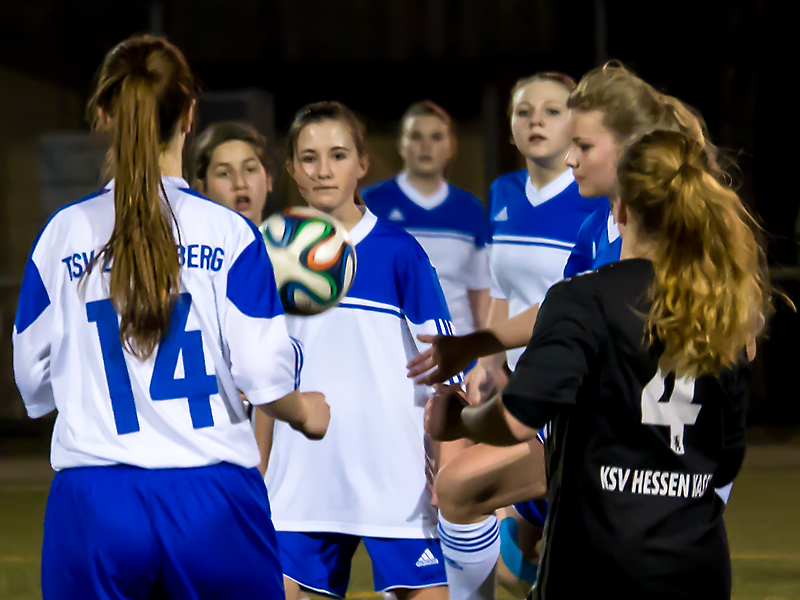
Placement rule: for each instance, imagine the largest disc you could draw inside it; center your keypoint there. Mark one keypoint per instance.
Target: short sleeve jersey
(451, 227)
(532, 233)
(369, 476)
(632, 454)
(180, 407)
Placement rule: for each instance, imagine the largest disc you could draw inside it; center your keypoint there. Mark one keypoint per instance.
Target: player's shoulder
(510, 182)
(380, 189)
(395, 240)
(462, 200)
(198, 213)
(624, 282)
(71, 219)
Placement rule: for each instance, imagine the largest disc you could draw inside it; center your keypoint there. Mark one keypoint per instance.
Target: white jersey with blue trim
(180, 407)
(532, 233)
(370, 475)
(451, 226)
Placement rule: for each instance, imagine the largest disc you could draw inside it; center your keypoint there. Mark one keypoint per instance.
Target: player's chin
(325, 201)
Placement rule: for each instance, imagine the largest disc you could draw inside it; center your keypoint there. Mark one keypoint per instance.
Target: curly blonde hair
(711, 292)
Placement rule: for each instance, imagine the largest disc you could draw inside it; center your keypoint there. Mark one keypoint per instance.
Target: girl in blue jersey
(535, 215)
(448, 222)
(370, 480)
(144, 308)
(609, 108)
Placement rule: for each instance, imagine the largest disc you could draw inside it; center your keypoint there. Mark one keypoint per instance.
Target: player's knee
(456, 500)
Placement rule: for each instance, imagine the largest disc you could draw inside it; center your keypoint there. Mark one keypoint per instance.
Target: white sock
(470, 553)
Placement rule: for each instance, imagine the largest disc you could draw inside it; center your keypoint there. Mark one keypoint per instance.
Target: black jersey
(632, 455)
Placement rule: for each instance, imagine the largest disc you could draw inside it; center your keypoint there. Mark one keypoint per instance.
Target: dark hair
(144, 93)
(319, 112)
(226, 131)
(711, 291)
(554, 76)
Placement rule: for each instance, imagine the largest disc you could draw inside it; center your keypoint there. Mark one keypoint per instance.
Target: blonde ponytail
(711, 291)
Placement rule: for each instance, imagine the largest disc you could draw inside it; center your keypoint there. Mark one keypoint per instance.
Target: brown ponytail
(144, 93)
(711, 292)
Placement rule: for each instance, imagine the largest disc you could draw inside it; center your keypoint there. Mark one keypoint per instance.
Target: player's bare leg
(438, 592)
(470, 489)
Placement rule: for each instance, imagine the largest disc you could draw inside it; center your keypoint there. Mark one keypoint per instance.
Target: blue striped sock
(470, 553)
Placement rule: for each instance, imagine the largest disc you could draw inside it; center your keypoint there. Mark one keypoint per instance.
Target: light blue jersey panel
(598, 244)
(532, 233)
(451, 227)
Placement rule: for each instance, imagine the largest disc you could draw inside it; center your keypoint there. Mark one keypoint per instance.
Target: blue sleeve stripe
(298, 361)
(251, 283)
(377, 309)
(33, 298)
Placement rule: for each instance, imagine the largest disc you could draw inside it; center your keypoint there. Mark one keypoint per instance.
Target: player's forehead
(232, 152)
(540, 91)
(325, 135)
(424, 124)
(587, 124)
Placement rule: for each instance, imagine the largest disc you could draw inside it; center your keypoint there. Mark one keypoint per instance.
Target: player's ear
(199, 185)
(363, 165)
(620, 210)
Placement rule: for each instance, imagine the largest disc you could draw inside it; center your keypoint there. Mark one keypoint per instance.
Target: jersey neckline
(549, 191)
(363, 227)
(427, 202)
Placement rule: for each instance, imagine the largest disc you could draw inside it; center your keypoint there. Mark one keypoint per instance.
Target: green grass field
(763, 526)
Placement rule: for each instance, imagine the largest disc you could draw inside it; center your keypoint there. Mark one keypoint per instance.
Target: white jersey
(451, 226)
(370, 475)
(180, 407)
(532, 233)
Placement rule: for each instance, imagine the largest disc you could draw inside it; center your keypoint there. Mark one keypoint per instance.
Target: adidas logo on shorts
(427, 559)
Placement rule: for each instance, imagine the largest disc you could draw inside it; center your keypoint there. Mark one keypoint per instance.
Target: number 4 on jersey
(668, 402)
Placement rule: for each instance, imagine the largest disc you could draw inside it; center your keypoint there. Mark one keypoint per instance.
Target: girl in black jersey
(638, 369)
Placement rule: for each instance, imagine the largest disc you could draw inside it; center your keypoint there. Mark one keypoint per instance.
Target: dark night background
(378, 56)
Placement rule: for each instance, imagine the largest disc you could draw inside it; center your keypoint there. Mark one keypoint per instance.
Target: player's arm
(32, 338)
(565, 340)
(447, 355)
(735, 384)
(264, 430)
(478, 307)
(264, 360)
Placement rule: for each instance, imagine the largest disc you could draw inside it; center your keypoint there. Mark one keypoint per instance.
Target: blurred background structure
(261, 60)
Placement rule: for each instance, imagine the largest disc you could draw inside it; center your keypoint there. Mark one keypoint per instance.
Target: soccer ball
(313, 259)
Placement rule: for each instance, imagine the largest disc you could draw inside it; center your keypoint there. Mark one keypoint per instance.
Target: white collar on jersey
(551, 190)
(178, 182)
(612, 230)
(426, 202)
(363, 227)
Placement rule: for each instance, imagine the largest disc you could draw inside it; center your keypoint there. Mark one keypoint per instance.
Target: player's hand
(317, 416)
(447, 356)
(443, 414)
(484, 381)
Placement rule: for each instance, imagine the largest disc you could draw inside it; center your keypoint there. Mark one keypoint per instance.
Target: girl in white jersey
(143, 309)
(369, 480)
(609, 108)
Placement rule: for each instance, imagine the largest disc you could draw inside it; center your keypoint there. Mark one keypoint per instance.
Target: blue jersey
(368, 476)
(532, 233)
(598, 243)
(451, 226)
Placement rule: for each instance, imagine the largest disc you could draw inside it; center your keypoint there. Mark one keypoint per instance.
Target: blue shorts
(320, 562)
(533, 511)
(124, 533)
